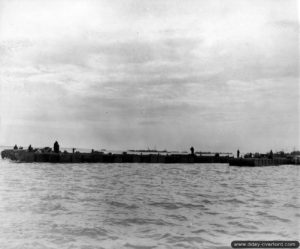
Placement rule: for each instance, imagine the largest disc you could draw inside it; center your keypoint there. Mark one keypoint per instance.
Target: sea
(145, 206)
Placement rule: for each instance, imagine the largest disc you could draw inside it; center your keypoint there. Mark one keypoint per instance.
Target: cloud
(288, 24)
(138, 73)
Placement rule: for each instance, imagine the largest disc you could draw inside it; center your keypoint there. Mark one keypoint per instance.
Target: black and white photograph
(149, 124)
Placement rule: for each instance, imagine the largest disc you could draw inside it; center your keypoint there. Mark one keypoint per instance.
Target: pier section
(100, 157)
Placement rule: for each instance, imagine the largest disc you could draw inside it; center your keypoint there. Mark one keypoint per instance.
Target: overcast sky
(129, 74)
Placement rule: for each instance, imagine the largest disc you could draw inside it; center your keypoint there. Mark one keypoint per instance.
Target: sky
(219, 75)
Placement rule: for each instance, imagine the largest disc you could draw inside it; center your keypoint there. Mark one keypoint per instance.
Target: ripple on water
(50, 208)
(122, 205)
(272, 217)
(142, 221)
(242, 225)
(291, 205)
(76, 231)
(189, 240)
(53, 197)
(166, 205)
(177, 217)
(212, 213)
(251, 232)
(234, 201)
(128, 245)
(221, 231)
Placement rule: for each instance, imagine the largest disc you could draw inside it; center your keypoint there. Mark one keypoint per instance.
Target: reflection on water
(145, 206)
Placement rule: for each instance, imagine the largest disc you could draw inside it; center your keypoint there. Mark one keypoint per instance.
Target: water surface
(93, 206)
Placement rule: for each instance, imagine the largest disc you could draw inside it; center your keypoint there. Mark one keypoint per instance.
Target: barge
(256, 162)
(100, 157)
(20, 155)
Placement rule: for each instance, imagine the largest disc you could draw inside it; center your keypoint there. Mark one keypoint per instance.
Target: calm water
(92, 206)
